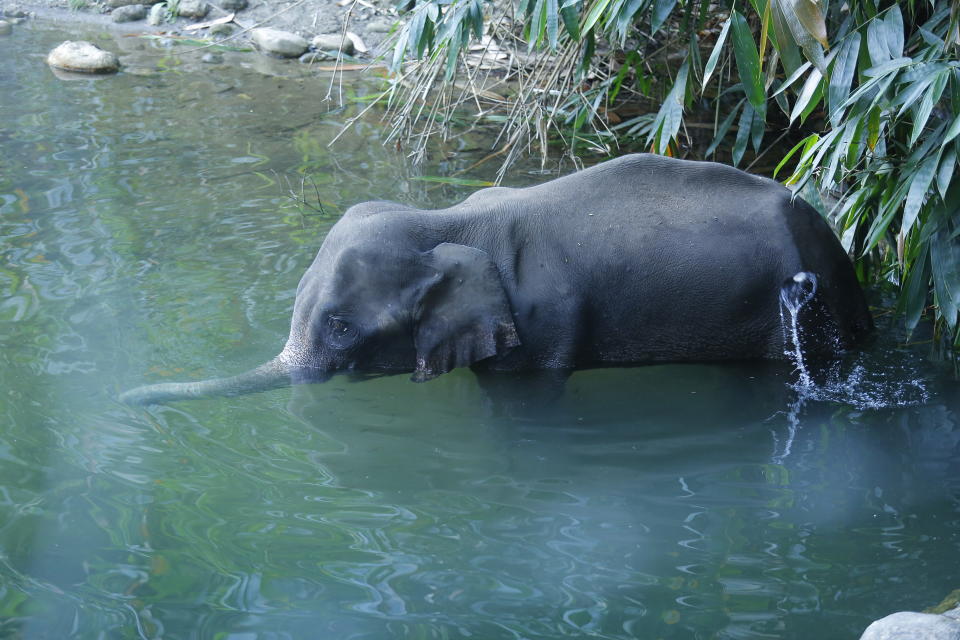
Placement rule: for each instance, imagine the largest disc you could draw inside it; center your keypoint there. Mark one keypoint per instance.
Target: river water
(145, 235)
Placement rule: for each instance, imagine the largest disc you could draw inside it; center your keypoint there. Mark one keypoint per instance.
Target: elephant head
(370, 303)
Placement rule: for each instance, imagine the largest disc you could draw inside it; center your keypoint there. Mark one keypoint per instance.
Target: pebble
(212, 58)
(222, 30)
(233, 5)
(278, 43)
(379, 26)
(82, 56)
(5, 28)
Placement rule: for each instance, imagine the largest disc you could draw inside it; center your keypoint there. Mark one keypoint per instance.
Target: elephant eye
(341, 333)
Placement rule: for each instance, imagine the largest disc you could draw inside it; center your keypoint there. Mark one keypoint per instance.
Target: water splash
(797, 292)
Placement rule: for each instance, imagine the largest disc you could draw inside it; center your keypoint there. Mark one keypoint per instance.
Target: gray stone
(908, 625)
(113, 4)
(222, 30)
(5, 28)
(315, 56)
(129, 13)
(84, 57)
(14, 13)
(332, 42)
(158, 13)
(233, 5)
(212, 58)
(278, 43)
(192, 8)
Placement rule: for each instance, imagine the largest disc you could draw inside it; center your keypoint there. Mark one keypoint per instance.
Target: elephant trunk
(270, 375)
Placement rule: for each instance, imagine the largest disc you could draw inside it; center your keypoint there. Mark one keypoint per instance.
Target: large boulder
(908, 625)
(82, 56)
(279, 43)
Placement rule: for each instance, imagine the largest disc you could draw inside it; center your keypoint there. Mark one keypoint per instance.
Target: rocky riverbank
(349, 31)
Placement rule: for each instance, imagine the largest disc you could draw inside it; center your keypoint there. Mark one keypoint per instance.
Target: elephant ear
(462, 314)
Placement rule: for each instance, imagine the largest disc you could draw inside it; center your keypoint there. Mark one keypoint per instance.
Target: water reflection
(145, 237)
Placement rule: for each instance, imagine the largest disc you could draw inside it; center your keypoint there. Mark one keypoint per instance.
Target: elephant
(637, 260)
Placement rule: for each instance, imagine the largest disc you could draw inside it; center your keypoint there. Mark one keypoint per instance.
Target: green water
(144, 236)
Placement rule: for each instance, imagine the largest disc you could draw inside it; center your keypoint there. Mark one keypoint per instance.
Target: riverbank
(319, 27)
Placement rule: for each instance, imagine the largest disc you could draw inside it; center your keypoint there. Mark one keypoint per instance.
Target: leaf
(570, 21)
(723, 128)
(793, 78)
(660, 13)
(886, 67)
(947, 167)
(844, 67)
(952, 130)
(670, 115)
(805, 23)
(807, 94)
(930, 98)
(945, 263)
(918, 191)
(748, 62)
(743, 133)
(796, 147)
(715, 54)
(877, 41)
(893, 30)
(913, 299)
(784, 40)
(873, 127)
(757, 128)
(596, 10)
(552, 23)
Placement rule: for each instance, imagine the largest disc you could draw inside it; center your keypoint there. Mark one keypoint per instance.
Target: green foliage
(872, 113)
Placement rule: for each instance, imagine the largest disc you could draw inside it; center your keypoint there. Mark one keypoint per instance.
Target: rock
(129, 13)
(379, 26)
(233, 5)
(278, 43)
(5, 28)
(84, 57)
(908, 625)
(158, 13)
(315, 56)
(14, 13)
(222, 30)
(331, 42)
(113, 4)
(192, 8)
(212, 58)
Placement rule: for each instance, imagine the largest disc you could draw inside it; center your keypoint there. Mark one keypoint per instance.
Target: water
(145, 237)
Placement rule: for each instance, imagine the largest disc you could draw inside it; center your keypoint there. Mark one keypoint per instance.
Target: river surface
(146, 235)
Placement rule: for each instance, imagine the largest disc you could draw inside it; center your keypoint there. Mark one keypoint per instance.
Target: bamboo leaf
(947, 167)
(793, 78)
(670, 115)
(748, 62)
(915, 289)
(723, 128)
(784, 40)
(807, 94)
(552, 22)
(743, 133)
(844, 67)
(918, 191)
(893, 30)
(952, 130)
(945, 264)
(596, 10)
(715, 54)
(570, 21)
(660, 13)
(930, 98)
(790, 153)
(877, 41)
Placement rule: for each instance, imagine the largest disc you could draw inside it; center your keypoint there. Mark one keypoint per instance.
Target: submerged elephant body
(637, 260)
